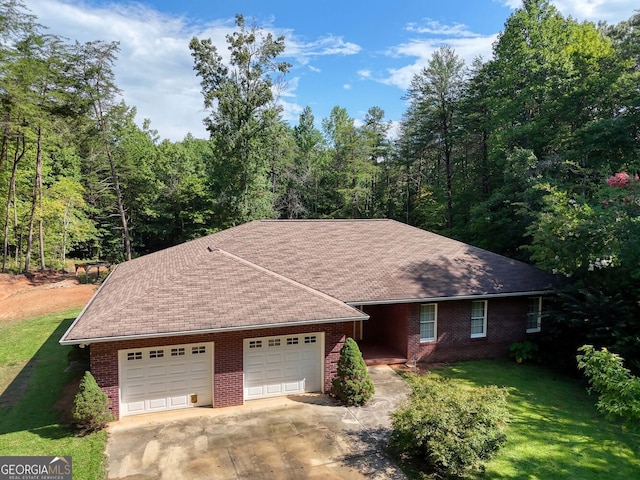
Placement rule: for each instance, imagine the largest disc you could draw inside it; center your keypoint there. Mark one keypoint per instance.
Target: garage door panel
(282, 365)
(155, 379)
(292, 357)
(275, 389)
(273, 374)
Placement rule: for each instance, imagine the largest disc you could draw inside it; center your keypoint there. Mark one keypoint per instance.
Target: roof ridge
(319, 220)
(279, 276)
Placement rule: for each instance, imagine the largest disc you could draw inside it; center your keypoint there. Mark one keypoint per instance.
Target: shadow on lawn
(555, 430)
(29, 402)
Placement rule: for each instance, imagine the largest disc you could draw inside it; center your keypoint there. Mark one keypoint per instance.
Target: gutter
(448, 299)
(88, 341)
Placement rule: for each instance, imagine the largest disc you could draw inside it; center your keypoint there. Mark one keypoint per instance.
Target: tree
(240, 97)
(351, 176)
(352, 384)
(96, 81)
(434, 96)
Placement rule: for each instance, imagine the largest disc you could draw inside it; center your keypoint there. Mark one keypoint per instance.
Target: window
(534, 315)
(479, 319)
(428, 322)
(198, 350)
(310, 339)
(255, 343)
(292, 341)
(274, 342)
(156, 353)
(177, 352)
(134, 356)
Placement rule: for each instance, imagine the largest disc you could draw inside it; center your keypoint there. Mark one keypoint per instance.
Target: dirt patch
(24, 297)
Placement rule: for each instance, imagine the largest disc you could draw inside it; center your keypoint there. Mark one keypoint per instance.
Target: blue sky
(351, 53)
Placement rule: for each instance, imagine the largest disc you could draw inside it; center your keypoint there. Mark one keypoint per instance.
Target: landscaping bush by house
(90, 410)
(352, 385)
(452, 430)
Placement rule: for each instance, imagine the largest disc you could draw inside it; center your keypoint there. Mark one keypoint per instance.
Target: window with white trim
(428, 322)
(479, 319)
(534, 315)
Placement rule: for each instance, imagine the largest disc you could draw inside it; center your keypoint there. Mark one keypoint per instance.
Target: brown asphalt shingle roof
(279, 272)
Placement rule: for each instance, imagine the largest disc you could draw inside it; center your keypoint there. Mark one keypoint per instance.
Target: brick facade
(398, 327)
(228, 388)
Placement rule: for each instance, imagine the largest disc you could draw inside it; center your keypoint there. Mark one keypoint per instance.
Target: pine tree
(352, 385)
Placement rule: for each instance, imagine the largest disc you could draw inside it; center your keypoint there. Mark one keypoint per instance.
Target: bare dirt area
(24, 297)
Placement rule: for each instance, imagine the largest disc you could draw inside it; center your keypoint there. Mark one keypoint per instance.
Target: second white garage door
(283, 365)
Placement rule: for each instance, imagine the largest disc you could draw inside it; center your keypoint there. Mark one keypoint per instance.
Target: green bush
(523, 351)
(90, 409)
(453, 430)
(352, 385)
(618, 390)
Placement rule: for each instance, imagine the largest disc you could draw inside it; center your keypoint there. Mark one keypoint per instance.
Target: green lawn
(554, 432)
(32, 426)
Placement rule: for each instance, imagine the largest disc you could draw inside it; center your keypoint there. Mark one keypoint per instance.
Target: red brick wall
(506, 323)
(227, 351)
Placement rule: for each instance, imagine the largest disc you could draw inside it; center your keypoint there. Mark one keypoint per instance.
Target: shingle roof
(282, 271)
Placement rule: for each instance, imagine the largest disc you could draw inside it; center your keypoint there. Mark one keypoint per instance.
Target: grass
(554, 429)
(33, 425)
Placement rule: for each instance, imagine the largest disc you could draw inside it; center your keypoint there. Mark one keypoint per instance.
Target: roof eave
(62, 340)
(451, 298)
(88, 341)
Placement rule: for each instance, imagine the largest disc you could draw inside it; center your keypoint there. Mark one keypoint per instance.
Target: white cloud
(303, 52)
(347, 86)
(314, 69)
(434, 27)
(422, 49)
(154, 68)
(365, 73)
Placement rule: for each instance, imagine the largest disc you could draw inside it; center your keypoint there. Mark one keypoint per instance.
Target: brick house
(262, 310)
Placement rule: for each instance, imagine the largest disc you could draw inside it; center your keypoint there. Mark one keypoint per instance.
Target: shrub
(90, 409)
(523, 351)
(618, 391)
(352, 385)
(452, 428)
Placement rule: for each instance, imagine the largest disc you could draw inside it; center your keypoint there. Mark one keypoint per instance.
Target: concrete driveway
(296, 437)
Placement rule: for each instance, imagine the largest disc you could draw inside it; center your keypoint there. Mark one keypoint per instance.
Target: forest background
(533, 153)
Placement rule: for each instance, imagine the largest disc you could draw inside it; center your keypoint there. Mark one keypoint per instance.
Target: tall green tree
(352, 172)
(239, 95)
(434, 97)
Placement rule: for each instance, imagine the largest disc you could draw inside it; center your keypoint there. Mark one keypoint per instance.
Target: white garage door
(283, 365)
(165, 378)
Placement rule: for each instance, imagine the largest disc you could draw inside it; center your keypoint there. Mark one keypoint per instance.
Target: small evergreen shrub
(450, 428)
(352, 385)
(523, 351)
(90, 409)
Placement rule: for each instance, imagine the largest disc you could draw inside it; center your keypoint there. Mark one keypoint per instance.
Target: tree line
(532, 153)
